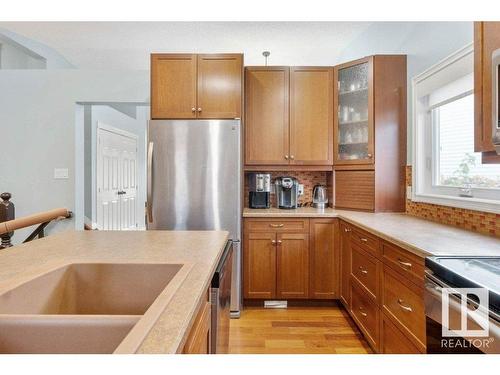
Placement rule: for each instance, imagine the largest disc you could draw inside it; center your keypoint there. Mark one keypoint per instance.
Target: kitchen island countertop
(421, 237)
(167, 332)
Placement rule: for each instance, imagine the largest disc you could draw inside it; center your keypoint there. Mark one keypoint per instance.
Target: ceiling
(127, 45)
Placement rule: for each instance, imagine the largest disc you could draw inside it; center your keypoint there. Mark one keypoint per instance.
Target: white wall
(425, 43)
(12, 57)
(37, 121)
(131, 118)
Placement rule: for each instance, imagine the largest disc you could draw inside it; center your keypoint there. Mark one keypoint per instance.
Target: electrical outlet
(408, 192)
(301, 189)
(61, 173)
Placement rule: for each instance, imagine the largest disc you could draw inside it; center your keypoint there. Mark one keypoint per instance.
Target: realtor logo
(475, 314)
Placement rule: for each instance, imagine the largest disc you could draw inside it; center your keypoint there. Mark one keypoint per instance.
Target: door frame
(101, 126)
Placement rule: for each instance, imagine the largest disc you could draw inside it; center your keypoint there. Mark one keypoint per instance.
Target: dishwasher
(220, 293)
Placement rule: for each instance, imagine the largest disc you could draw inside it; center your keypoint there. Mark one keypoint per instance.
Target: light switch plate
(61, 173)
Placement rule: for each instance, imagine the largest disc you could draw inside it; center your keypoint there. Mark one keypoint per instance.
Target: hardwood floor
(296, 330)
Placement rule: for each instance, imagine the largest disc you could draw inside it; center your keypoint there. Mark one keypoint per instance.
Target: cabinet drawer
(403, 302)
(366, 314)
(366, 241)
(365, 269)
(393, 341)
(407, 264)
(279, 225)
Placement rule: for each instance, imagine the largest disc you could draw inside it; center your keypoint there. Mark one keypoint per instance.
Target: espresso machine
(259, 190)
(287, 192)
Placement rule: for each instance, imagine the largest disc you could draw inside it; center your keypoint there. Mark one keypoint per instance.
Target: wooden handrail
(39, 218)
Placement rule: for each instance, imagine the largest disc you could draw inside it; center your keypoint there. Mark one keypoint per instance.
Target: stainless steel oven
(495, 98)
(451, 314)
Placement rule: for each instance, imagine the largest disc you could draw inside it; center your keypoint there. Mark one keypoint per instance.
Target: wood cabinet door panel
(259, 260)
(219, 86)
(366, 314)
(266, 115)
(311, 116)
(323, 275)
(292, 265)
(345, 264)
(278, 225)
(486, 40)
(393, 341)
(355, 189)
(403, 302)
(198, 341)
(365, 269)
(173, 86)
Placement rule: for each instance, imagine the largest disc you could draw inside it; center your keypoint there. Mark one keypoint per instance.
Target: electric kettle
(320, 196)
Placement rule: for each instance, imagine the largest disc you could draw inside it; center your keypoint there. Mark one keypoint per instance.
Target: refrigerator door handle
(150, 182)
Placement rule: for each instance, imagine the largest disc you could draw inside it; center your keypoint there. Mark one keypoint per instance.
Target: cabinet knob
(199, 109)
(193, 109)
(286, 157)
(347, 230)
(273, 242)
(369, 156)
(279, 242)
(292, 157)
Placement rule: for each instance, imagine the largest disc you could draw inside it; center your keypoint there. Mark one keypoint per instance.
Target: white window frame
(488, 201)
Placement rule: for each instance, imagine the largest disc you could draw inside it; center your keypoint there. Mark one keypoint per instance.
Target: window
(446, 169)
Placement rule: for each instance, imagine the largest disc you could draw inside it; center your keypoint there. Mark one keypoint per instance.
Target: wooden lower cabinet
(365, 312)
(259, 260)
(292, 265)
(198, 341)
(402, 301)
(290, 259)
(324, 259)
(393, 341)
(345, 264)
(386, 292)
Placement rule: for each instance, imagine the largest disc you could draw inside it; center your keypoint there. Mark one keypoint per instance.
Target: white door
(116, 179)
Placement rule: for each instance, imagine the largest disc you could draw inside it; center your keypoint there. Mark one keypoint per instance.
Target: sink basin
(91, 289)
(89, 308)
(63, 334)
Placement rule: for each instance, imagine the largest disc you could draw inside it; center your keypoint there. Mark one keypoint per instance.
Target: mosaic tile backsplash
(308, 179)
(477, 221)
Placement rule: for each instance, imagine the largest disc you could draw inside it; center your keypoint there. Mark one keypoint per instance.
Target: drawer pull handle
(276, 225)
(405, 308)
(405, 265)
(362, 312)
(363, 239)
(363, 270)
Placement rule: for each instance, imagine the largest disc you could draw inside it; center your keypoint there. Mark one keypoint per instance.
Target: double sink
(83, 307)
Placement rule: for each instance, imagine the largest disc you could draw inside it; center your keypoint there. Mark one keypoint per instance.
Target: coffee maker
(287, 192)
(259, 190)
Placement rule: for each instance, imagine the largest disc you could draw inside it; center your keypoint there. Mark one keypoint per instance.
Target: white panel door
(128, 183)
(116, 180)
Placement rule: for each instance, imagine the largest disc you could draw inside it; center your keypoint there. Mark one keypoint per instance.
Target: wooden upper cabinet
(173, 86)
(292, 265)
(185, 86)
(266, 115)
(311, 115)
(354, 120)
(219, 86)
(486, 41)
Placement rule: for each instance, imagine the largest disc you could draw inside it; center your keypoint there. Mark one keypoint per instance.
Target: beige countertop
(422, 237)
(199, 251)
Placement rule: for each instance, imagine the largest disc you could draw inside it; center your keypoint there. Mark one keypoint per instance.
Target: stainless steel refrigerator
(194, 182)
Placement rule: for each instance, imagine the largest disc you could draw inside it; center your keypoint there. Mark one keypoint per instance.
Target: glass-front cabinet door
(354, 124)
